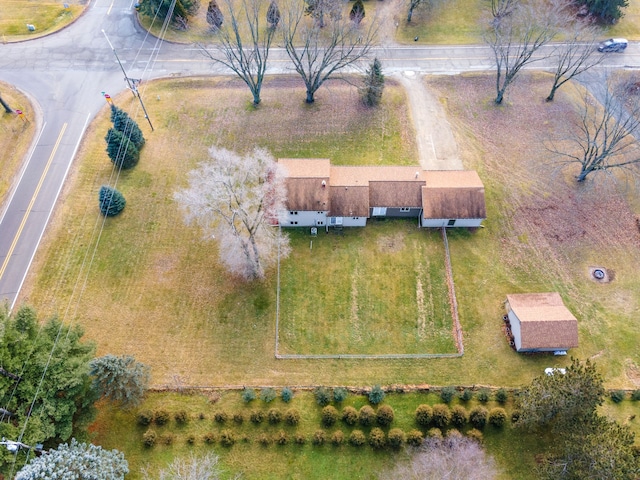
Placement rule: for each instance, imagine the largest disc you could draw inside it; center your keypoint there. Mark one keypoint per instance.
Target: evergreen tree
(77, 461)
(52, 396)
(215, 18)
(120, 379)
(373, 84)
(111, 201)
(121, 150)
(127, 126)
(273, 15)
(182, 10)
(357, 11)
(609, 11)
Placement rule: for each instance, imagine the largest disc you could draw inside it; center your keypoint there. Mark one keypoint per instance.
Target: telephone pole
(6, 106)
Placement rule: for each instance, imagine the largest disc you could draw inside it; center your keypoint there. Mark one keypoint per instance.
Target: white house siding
(515, 330)
(304, 219)
(444, 222)
(351, 221)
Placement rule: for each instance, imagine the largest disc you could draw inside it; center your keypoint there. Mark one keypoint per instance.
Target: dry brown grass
(16, 136)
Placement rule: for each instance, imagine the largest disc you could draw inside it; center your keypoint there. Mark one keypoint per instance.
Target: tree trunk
(553, 93)
(310, 98)
(499, 97)
(6, 106)
(10, 375)
(583, 175)
(410, 14)
(6, 412)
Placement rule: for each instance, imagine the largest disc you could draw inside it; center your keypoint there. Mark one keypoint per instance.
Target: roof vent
(324, 184)
(417, 174)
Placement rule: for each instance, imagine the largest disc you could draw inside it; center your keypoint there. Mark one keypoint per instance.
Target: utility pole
(131, 82)
(6, 106)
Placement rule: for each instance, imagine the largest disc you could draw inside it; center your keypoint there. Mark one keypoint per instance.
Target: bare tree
(413, 4)
(320, 9)
(205, 467)
(605, 133)
(503, 8)
(318, 54)
(446, 458)
(244, 45)
(516, 37)
(577, 54)
(239, 200)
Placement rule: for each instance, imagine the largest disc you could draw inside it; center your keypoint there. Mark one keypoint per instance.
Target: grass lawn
(46, 16)
(16, 135)
(378, 290)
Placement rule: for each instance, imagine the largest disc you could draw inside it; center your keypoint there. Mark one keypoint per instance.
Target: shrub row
(161, 417)
(267, 395)
(440, 416)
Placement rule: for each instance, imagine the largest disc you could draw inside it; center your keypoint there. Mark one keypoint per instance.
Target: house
(321, 194)
(541, 323)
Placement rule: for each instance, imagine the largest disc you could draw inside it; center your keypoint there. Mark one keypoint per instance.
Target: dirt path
(437, 148)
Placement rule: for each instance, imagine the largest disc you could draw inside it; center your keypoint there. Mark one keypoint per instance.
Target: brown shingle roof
(544, 321)
(453, 194)
(303, 179)
(349, 201)
(306, 167)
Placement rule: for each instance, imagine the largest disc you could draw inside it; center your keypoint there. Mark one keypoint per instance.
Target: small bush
(475, 434)
(434, 433)
(161, 417)
(635, 395)
(384, 416)
(264, 439)
(396, 438)
(256, 416)
(300, 439)
(447, 394)
(227, 438)
(149, 438)
(281, 438)
(292, 417)
(144, 418)
(274, 415)
(191, 439)
(221, 416)
(210, 438)
(110, 201)
(483, 395)
(167, 438)
(319, 437)
(617, 395)
(459, 416)
(497, 417)
(248, 395)
(238, 418)
(323, 396)
(515, 416)
(441, 415)
(267, 395)
(454, 433)
(478, 417)
(337, 438)
(357, 438)
(466, 395)
(286, 395)
(424, 414)
(329, 415)
(349, 415)
(339, 394)
(366, 416)
(181, 417)
(414, 438)
(502, 396)
(376, 395)
(376, 438)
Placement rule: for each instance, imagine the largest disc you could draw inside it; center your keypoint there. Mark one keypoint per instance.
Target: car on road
(613, 45)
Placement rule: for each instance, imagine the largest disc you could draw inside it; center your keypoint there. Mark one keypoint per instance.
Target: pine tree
(111, 201)
(127, 126)
(120, 379)
(78, 461)
(215, 18)
(273, 15)
(357, 12)
(121, 150)
(373, 84)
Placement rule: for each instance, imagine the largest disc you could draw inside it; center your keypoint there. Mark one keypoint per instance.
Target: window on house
(294, 223)
(451, 223)
(405, 209)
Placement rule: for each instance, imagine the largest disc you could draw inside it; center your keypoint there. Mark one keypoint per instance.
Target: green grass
(46, 16)
(357, 293)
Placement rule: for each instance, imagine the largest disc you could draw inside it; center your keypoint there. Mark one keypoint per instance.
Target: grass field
(46, 16)
(378, 290)
(16, 135)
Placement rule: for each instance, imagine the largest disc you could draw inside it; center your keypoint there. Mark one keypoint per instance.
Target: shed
(540, 322)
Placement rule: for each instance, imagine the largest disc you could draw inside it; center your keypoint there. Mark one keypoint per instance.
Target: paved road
(65, 74)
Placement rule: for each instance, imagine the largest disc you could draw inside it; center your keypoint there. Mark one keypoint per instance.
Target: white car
(613, 45)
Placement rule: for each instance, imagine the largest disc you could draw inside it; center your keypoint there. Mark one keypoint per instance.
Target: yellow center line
(33, 200)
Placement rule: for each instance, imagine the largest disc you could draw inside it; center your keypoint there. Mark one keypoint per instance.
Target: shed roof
(545, 322)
